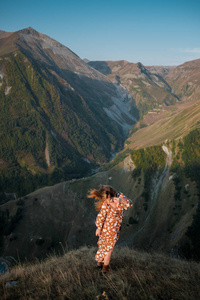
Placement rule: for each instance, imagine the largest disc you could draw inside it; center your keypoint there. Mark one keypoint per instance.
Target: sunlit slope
(175, 123)
(185, 80)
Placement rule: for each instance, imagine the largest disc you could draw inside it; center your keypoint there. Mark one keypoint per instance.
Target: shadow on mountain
(70, 112)
(101, 66)
(91, 89)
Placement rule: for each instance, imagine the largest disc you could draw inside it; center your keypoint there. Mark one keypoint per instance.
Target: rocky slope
(145, 84)
(185, 80)
(154, 87)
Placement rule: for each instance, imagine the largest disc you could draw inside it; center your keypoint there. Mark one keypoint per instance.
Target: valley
(63, 118)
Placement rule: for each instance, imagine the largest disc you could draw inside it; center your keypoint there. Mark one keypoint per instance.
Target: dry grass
(178, 121)
(135, 275)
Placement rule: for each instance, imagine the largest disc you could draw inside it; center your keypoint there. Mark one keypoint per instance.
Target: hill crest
(74, 275)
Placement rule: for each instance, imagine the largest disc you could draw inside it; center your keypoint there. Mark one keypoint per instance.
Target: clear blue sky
(164, 32)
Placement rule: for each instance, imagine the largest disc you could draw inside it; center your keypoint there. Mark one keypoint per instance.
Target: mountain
(162, 181)
(185, 80)
(154, 88)
(160, 70)
(60, 118)
(145, 84)
(159, 168)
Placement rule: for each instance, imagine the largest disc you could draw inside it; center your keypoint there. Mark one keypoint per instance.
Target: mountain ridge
(149, 90)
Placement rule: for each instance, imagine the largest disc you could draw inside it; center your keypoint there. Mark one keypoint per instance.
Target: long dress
(109, 221)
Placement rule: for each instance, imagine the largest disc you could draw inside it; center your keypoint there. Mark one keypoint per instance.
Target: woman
(111, 205)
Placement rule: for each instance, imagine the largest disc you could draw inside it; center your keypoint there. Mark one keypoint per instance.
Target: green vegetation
(187, 162)
(193, 250)
(149, 99)
(191, 158)
(177, 178)
(4, 223)
(178, 187)
(147, 160)
(191, 155)
(144, 105)
(118, 158)
(150, 158)
(177, 122)
(74, 275)
(35, 113)
(136, 173)
(132, 221)
(8, 223)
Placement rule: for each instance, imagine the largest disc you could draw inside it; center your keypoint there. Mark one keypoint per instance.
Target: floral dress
(109, 221)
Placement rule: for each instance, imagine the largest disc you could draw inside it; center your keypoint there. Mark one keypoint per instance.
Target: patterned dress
(109, 221)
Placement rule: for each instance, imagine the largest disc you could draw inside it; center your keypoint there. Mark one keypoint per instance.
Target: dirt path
(47, 156)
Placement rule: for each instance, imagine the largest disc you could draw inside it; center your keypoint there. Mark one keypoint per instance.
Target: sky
(164, 32)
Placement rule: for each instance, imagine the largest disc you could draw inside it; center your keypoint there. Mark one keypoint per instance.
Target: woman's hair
(101, 195)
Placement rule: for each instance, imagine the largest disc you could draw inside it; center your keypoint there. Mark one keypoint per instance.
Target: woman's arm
(101, 218)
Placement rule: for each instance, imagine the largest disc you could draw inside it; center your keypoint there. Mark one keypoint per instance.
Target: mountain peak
(140, 66)
(29, 30)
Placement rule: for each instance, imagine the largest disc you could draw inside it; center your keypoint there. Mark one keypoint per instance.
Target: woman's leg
(106, 268)
(107, 258)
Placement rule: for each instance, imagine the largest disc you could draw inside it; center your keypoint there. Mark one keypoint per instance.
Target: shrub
(20, 202)
(132, 221)
(136, 172)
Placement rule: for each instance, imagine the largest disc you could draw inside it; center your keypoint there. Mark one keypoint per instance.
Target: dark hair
(101, 195)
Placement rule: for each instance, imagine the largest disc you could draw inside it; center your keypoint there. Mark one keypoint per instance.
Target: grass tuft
(136, 275)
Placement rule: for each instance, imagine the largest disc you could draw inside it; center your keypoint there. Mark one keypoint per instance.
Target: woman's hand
(98, 231)
(116, 200)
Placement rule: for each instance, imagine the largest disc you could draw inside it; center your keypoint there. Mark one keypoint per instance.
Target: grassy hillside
(38, 222)
(176, 212)
(184, 80)
(172, 124)
(136, 275)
